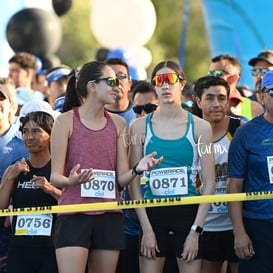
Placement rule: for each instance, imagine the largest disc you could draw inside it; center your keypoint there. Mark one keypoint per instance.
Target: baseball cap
(59, 102)
(38, 105)
(235, 94)
(8, 91)
(265, 55)
(267, 81)
(57, 73)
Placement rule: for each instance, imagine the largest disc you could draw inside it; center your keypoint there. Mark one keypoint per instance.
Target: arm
(124, 173)
(148, 243)
(41, 182)
(242, 243)
(203, 133)
(60, 134)
(7, 182)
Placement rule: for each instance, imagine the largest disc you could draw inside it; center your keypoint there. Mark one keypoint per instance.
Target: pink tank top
(92, 149)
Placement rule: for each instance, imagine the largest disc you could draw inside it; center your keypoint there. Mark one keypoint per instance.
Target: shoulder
(119, 121)
(256, 108)
(64, 121)
(138, 124)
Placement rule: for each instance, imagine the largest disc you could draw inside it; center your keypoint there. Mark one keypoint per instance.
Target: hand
(149, 246)
(148, 162)
(83, 177)
(190, 249)
(243, 247)
(40, 182)
(14, 170)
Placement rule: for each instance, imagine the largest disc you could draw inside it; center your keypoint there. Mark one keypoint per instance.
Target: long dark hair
(76, 89)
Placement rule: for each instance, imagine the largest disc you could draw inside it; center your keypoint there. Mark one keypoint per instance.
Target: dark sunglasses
(170, 78)
(269, 91)
(147, 108)
(109, 81)
(258, 71)
(217, 73)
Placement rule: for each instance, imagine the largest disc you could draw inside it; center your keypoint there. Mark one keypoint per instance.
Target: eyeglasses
(269, 91)
(258, 71)
(170, 78)
(111, 81)
(217, 73)
(147, 108)
(122, 76)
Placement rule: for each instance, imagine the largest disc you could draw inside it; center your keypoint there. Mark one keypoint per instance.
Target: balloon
(61, 6)
(139, 56)
(35, 31)
(101, 54)
(137, 73)
(119, 53)
(122, 23)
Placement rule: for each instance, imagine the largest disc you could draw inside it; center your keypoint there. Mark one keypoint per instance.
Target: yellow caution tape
(130, 204)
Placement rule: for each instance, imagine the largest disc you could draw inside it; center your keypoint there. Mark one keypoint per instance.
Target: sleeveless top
(24, 195)
(95, 149)
(177, 153)
(218, 218)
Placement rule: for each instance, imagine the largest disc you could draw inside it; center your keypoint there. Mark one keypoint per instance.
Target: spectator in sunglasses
(262, 63)
(173, 132)
(144, 98)
(229, 68)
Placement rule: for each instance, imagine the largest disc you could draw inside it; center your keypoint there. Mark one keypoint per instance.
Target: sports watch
(197, 229)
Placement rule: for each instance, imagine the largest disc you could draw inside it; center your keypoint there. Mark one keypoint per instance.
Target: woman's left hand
(148, 162)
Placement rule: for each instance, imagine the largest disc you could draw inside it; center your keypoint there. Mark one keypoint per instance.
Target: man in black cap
(262, 63)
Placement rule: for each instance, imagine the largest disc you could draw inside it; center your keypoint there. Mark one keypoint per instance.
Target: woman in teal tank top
(185, 143)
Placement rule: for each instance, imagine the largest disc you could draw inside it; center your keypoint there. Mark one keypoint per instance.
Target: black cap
(266, 55)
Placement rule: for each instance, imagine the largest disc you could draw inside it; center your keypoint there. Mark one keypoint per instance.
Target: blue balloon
(137, 73)
(118, 53)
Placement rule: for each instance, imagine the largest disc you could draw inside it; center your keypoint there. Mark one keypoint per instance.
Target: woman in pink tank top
(90, 163)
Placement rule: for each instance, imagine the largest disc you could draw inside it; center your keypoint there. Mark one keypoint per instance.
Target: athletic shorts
(103, 231)
(171, 223)
(218, 246)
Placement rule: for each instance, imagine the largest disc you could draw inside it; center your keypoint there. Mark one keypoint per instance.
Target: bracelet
(134, 170)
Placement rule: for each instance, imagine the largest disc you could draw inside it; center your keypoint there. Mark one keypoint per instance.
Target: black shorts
(103, 231)
(218, 246)
(174, 220)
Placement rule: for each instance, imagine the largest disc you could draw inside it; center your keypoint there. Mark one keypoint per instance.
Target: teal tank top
(182, 152)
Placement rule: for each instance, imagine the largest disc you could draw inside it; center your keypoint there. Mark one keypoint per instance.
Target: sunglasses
(147, 108)
(122, 76)
(170, 78)
(269, 91)
(109, 81)
(258, 71)
(217, 73)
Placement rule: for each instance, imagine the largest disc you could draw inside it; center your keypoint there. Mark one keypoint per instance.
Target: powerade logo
(267, 141)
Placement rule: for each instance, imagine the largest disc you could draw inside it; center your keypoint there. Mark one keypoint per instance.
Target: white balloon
(122, 23)
(139, 56)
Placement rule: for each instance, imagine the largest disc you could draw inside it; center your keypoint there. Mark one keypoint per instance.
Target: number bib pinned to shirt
(34, 225)
(169, 181)
(103, 185)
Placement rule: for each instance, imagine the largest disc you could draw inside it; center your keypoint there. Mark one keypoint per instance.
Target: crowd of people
(93, 134)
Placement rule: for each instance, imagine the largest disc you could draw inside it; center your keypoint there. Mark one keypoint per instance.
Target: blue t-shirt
(249, 153)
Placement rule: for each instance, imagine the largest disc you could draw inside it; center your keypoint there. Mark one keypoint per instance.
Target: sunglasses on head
(269, 91)
(111, 81)
(258, 71)
(147, 108)
(170, 78)
(217, 73)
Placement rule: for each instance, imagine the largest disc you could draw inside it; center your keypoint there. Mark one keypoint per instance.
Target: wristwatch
(197, 229)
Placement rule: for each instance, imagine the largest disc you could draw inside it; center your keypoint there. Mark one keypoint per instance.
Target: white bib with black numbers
(103, 185)
(169, 181)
